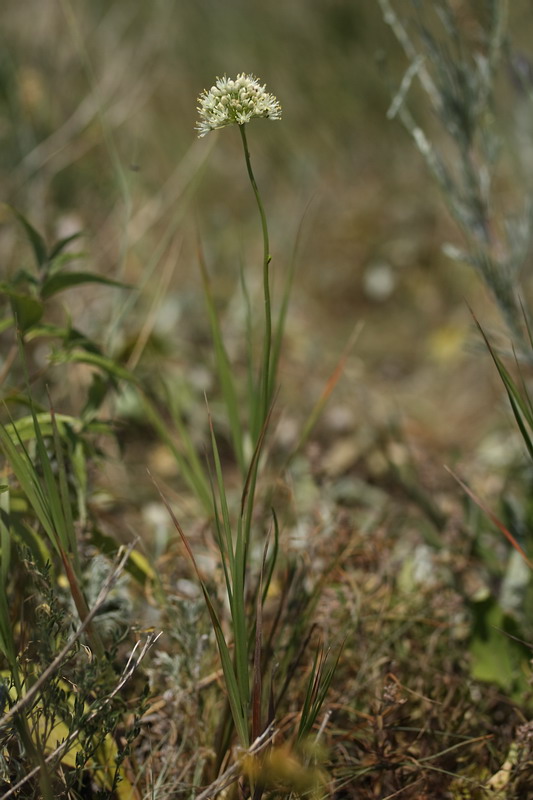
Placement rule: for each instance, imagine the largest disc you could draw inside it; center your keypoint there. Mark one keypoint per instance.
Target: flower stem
(265, 380)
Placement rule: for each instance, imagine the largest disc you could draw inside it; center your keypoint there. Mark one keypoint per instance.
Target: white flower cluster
(235, 102)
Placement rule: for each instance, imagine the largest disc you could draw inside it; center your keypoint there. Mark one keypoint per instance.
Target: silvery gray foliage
(115, 614)
(457, 73)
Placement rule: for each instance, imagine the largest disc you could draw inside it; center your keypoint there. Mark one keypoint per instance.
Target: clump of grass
(62, 704)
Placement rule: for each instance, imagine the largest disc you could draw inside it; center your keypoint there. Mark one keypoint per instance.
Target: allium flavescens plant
(237, 102)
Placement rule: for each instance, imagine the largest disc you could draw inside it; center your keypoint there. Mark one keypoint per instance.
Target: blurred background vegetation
(96, 133)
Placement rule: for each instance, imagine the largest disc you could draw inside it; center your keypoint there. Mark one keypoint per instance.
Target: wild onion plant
(235, 103)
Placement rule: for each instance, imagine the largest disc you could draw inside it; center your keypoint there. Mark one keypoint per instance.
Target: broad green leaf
(24, 428)
(61, 261)
(21, 281)
(96, 394)
(36, 240)
(27, 310)
(75, 337)
(37, 545)
(60, 245)
(66, 280)
(96, 360)
(45, 330)
(497, 657)
(137, 564)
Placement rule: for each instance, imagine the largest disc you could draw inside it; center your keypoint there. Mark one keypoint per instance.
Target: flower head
(235, 102)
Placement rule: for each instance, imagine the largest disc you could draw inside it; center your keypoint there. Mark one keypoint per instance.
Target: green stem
(267, 344)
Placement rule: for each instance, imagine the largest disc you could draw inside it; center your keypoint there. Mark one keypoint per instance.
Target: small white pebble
(379, 281)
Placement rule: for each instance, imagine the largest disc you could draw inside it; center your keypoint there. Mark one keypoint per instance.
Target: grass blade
(520, 402)
(226, 523)
(234, 699)
(494, 519)
(317, 688)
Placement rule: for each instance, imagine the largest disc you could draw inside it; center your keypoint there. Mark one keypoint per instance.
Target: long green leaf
(7, 645)
(494, 519)
(52, 494)
(26, 474)
(66, 280)
(237, 569)
(226, 523)
(520, 401)
(317, 688)
(60, 245)
(238, 614)
(25, 428)
(94, 359)
(5, 538)
(27, 310)
(272, 559)
(222, 546)
(234, 699)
